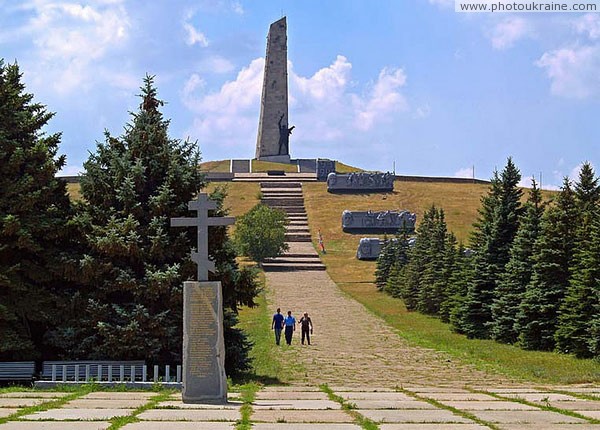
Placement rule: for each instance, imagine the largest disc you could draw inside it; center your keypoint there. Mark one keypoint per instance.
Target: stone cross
(202, 205)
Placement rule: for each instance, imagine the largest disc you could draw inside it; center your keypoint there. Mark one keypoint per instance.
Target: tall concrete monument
(204, 376)
(272, 143)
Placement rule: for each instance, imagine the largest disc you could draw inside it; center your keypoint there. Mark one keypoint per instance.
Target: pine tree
(385, 262)
(581, 300)
(130, 300)
(398, 251)
(458, 285)
(494, 233)
(511, 287)
(537, 317)
(35, 211)
(452, 255)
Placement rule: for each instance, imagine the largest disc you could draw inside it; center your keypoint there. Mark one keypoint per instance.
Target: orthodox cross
(202, 205)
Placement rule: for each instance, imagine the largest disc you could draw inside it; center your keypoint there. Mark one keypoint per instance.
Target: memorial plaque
(369, 248)
(360, 182)
(378, 222)
(204, 376)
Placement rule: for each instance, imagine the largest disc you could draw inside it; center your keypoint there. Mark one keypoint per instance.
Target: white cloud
(589, 25)
(465, 172)
(508, 31)
(237, 7)
(384, 99)
(324, 107)
(574, 72)
(423, 111)
(328, 83)
(216, 64)
(194, 36)
(71, 38)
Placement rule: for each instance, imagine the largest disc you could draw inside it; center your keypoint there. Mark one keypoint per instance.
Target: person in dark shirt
(277, 325)
(290, 326)
(307, 327)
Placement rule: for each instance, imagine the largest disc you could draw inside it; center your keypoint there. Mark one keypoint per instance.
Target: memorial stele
(272, 143)
(204, 378)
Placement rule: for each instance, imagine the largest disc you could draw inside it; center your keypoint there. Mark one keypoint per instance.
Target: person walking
(277, 325)
(307, 327)
(290, 326)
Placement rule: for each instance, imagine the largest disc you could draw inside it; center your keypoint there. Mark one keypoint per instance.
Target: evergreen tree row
(102, 279)
(532, 277)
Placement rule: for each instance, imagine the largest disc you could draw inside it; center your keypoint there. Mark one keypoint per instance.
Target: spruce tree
(385, 262)
(517, 275)
(417, 261)
(537, 317)
(431, 283)
(35, 234)
(494, 233)
(581, 301)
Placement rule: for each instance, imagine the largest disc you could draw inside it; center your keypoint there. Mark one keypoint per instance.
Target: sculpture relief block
(360, 182)
(378, 222)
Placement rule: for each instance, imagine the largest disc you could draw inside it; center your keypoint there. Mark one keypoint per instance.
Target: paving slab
(295, 404)
(179, 425)
(542, 418)
(292, 395)
(363, 395)
(178, 404)
(78, 414)
(105, 403)
(301, 426)
(391, 404)
(295, 416)
(412, 416)
(459, 397)
(190, 415)
(56, 425)
(363, 389)
(419, 389)
(230, 395)
(540, 397)
(37, 394)
(591, 414)
(578, 405)
(120, 395)
(278, 388)
(20, 403)
(4, 412)
(554, 427)
(501, 390)
(490, 406)
(447, 426)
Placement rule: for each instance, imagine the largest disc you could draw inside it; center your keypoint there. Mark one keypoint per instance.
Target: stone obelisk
(272, 143)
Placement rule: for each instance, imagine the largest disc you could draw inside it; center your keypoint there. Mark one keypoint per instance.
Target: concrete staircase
(301, 255)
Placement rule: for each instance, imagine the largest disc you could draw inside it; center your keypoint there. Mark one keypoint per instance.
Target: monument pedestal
(275, 158)
(204, 378)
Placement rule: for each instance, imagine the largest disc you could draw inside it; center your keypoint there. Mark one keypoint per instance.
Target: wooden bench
(17, 370)
(85, 370)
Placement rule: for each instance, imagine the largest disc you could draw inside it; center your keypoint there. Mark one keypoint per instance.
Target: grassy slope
(460, 201)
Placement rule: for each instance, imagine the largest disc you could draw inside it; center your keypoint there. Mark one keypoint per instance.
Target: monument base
(204, 378)
(276, 158)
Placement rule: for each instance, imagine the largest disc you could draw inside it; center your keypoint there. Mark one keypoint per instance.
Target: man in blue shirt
(290, 326)
(277, 325)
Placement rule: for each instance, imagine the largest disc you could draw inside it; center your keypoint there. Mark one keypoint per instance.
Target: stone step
(299, 255)
(242, 177)
(314, 259)
(282, 201)
(295, 191)
(302, 223)
(297, 229)
(288, 185)
(297, 237)
(282, 196)
(296, 210)
(291, 267)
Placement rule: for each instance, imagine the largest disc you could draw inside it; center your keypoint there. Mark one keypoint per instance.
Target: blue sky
(371, 82)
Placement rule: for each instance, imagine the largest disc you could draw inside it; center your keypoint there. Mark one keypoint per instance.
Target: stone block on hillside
(378, 222)
(360, 182)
